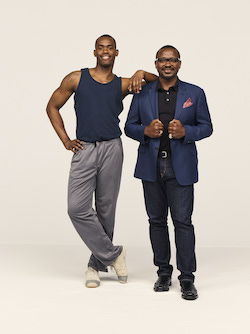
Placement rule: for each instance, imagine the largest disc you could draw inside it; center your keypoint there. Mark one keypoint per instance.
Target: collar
(175, 87)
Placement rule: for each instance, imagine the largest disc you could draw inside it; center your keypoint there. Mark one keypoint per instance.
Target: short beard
(166, 78)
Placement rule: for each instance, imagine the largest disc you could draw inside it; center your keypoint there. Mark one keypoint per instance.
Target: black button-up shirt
(166, 109)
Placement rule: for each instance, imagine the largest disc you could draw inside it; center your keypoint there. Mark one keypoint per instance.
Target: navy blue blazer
(195, 119)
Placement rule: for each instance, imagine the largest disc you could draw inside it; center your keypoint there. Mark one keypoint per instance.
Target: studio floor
(42, 291)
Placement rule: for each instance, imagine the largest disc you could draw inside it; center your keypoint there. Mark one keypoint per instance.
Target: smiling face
(105, 51)
(167, 69)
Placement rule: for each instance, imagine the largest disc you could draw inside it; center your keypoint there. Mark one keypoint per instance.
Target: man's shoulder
(189, 85)
(147, 88)
(78, 73)
(71, 81)
(75, 75)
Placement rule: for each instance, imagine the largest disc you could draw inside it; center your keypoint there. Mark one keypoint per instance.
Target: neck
(167, 83)
(104, 72)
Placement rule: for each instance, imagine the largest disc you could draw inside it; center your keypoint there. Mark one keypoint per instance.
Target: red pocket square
(188, 103)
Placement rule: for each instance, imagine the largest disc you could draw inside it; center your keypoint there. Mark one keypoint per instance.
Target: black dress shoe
(163, 283)
(188, 290)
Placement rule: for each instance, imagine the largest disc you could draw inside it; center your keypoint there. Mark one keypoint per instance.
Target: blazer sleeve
(133, 126)
(203, 126)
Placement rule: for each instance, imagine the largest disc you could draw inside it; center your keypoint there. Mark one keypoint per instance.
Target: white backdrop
(42, 41)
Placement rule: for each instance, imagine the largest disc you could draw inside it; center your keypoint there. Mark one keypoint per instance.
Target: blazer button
(156, 149)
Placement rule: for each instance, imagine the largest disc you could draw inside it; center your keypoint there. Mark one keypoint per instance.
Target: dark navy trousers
(161, 196)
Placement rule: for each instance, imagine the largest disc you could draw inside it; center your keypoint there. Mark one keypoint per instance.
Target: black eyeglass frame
(172, 60)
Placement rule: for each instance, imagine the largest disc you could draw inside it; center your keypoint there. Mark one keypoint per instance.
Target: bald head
(168, 47)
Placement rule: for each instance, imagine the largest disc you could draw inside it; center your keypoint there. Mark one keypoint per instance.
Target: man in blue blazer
(167, 117)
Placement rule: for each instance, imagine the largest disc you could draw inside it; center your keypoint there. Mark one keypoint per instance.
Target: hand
(73, 145)
(176, 129)
(135, 82)
(154, 129)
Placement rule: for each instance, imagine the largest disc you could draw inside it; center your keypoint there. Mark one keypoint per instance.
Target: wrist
(65, 141)
(142, 73)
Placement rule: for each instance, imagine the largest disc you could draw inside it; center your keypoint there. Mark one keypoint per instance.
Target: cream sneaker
(120, 267)
(92, 278)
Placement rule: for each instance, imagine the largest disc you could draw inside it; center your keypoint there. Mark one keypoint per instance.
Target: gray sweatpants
(96, 170)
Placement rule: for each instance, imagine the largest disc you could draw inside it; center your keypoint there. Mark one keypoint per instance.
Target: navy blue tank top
(97, 108)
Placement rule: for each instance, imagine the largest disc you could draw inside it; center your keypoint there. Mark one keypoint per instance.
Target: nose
(167, 63)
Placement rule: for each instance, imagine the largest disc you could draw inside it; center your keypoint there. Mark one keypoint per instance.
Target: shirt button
(167, 100)
(167, 92)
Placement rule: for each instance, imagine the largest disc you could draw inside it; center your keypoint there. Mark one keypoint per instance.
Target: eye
(173, 60)
(161, 60)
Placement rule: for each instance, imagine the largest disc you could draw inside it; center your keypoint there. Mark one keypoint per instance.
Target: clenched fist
(176, 129)
(154, 129)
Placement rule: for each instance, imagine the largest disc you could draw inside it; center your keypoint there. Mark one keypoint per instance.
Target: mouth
(167, 70)
(105, 57)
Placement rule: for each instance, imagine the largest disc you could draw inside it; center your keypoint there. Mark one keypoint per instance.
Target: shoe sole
(190, 298)
(92, 284)
(160, 289)
(122, 279)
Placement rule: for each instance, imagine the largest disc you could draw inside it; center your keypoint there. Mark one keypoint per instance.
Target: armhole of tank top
(120, 87)
(81, 78)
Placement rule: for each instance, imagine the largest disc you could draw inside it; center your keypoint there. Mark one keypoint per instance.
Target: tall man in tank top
(97, 161)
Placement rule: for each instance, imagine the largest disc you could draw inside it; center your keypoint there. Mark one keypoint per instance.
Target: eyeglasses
(172, 60)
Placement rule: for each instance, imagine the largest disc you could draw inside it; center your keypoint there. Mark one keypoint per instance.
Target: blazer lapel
(179, 100)
(153, 98)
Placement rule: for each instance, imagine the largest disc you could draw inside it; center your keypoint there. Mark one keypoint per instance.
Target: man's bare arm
(57, 100)
(134, 84)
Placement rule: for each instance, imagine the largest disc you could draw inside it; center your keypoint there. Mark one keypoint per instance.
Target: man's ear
(94, 53)
(116, 53)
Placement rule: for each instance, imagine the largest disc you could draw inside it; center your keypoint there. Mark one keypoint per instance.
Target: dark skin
(168, 77)
(105, 53)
